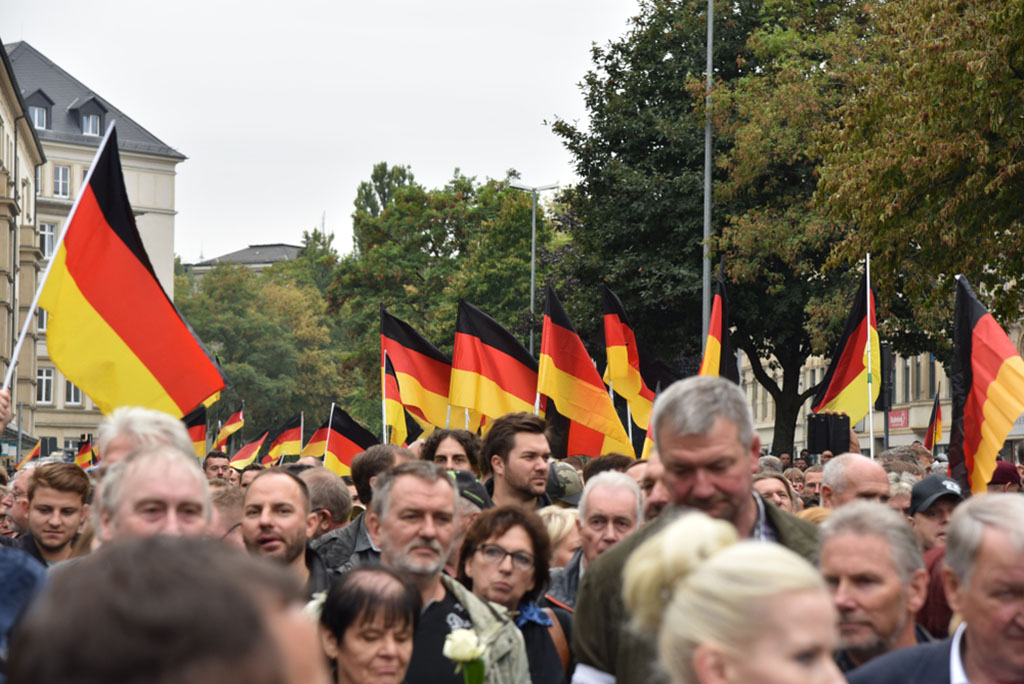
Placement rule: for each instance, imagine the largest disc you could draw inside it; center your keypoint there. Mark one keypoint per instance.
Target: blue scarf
(531, 612)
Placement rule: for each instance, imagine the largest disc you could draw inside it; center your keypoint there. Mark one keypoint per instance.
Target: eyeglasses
(495, 555)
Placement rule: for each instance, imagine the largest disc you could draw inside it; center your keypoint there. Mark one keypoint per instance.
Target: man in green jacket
(704, 433)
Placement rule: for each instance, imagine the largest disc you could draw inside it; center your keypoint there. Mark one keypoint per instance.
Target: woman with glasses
(505, 560)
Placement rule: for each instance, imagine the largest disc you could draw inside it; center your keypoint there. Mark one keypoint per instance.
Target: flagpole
(448, 417)
(869, 309)
(536, 405)
(49, 265)
(302, 430)
(327, 442)
(384, 400)
(467, 418)
(629, 422)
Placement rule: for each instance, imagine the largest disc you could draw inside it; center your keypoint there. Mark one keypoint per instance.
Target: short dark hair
(254, 466)
(159, 610)
(212, 455)
(64, 477)
(470, 442)
(496, 522)
(369, 464)
(327, 492)
(281, 472)
(366, 592)
(502, 436)
(619, 462)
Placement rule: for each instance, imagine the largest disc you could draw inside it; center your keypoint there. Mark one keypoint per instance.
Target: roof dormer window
(38, 116)
(90, 124)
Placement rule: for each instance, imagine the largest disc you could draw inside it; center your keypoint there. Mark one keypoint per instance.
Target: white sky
(283, 108)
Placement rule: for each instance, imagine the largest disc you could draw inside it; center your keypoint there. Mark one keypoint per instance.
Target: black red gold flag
(195, 423)
(988, 390)
(247, 454)
(623, 372)
(84, 457)
(232, 425)
(338, 441)
(422, 371)
(719, 357)
(287, 441)
(30, 456)
(934, 434)
(112, 330)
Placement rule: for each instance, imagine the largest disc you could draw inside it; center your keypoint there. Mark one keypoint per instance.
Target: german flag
(247, 454)
(287, 441)
(422, 371)
(934, 434)
(84, 457)
(845, 387)
(338, 440)
(112, 330)
(30, 456)
(648, 442)
(719, 356)
(233, 424)
(988, 390)
(492, 373)
(195, 423)
(568, 377)
(623, 372)
(397, 420)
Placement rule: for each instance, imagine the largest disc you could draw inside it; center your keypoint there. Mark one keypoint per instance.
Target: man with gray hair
(770, 464)
(852, 477)
(703, 430)
(412, 519)
(610, 509)
(329, 499)
(984, 582)
(872, 563)
(154, 490)
(130, 427)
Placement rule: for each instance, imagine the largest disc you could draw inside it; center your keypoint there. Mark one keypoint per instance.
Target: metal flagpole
(536, 404)
(629, 422)
(383, 401)
(327, 442)
(467, 418)
(870, 310)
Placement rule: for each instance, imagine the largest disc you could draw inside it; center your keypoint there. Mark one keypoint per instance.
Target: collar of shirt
(957, 674)
(762, 526)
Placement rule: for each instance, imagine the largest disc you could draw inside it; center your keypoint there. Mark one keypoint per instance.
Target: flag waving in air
(195, 423)
(232, 425)
(934, 434)
(401, 425)
(112, 329)
(338, 441)
(30, 456)
(568, 377)
(623, 371)
(845, 387)
(286, 442)
(247, 454)
(422, 371)
(719, 357)
(84, 457)
(988, 390)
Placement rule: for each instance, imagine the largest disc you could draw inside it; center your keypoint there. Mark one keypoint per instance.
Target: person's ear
(373, 527)
(312, 523)
(711, 665)
(497, 466)
(917, 590)
(953, 587)
(329, 643)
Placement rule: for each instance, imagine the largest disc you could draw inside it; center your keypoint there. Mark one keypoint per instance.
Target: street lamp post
(533, 190)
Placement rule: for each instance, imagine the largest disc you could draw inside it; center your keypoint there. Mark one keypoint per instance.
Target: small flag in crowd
(247, 454)
(84, 457)
(338, 440)
(30, 456)
(934, 434)
(623, 371)
(719, 357)
(423, 372)
(195, 423)
(287, 441)
(233, 424)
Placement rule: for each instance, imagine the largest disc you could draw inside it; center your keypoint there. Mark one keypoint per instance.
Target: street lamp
(533, 190)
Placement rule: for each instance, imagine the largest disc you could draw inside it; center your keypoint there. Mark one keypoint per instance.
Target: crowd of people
(464, 558)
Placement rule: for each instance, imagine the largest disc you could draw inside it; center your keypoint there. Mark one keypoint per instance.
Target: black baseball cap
(930, 489)
(471, 489)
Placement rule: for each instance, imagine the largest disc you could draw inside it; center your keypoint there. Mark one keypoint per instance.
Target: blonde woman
(564, 532)
(722, 610)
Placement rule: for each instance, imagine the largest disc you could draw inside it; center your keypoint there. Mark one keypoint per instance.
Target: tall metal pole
(533, 264)
(706, 300)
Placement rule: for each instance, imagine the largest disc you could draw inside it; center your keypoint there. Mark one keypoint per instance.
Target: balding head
(852, 477)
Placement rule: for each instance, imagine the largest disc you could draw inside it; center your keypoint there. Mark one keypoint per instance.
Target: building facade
(70, 120)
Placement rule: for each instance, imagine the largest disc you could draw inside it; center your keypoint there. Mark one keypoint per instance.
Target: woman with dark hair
(505, 559)
(367, 625)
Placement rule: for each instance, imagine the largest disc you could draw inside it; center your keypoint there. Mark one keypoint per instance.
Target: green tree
(926, 164)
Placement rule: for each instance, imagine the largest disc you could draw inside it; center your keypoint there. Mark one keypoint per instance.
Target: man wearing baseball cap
(932, 501)
(1005, 478)
(472, 499)
(565, 486)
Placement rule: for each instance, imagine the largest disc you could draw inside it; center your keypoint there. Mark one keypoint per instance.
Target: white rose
(462, 646)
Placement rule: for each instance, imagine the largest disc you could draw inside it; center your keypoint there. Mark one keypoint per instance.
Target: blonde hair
(694, 583)
(559, 522)
(815, 514)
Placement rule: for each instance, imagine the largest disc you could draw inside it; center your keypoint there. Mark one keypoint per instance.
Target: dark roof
(35, 72)
(9, 68)
(257, 254)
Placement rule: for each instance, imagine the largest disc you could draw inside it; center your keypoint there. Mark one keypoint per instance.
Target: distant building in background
(255, 257)
(21, 154)
(70, 120)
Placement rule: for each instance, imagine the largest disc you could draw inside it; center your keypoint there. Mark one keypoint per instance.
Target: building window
(47, 238)
(38, 116)
(917, 377)
(44, 386)
(41, 320)
(62, 181)
(39, 180)
(906, 381)
(70, 446)
(931, 375)
(72, 395)
(90, 124)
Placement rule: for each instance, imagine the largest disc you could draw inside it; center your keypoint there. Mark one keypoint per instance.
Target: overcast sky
(283, 108)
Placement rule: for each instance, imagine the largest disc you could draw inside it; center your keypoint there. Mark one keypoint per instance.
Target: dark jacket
(350, 543)
(321, 578)
(924, 664)
(844, 663)
(565, 582)
(27, 543)
(541, 652)
(600, 637)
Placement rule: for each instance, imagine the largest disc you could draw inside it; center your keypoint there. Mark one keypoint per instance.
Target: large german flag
(719, 357)
(988, 390)
(934, 434)
(247, 454)
(195, 423)
(338, 440)
(845, 387)
(112, 329)
(30, 456)
(84, 457)
(623, 372)
(233, 424)
(287, 441)
(423, 372)
(492, 373)
(568, 376)
(403, 427)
